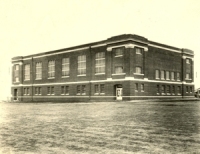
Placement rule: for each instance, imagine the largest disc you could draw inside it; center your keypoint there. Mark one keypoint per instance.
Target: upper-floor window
(157, 74)
(119, 52)
(167, 75)
(39, 70)
(138, 70)
(162, 75)
(65, 67)
(27, 72)
(172, 75)
(100, 62)
(16, 73)
(118, 69)
(51, 69)
(82, 65)
(187, 75)
(138, 51)
(188, 61)
(178, 76)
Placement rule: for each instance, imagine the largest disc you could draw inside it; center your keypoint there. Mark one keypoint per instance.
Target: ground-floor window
(187, 89)
(179, 90)
(136, 87)
(50, 91)
(38, 91)
(163, 89)
(173, 90)
(191, 90)
(142, 87)
(26, 91)
(168, 89)
(81, 90)
(64, 90)
(158, 89)
(99, 89)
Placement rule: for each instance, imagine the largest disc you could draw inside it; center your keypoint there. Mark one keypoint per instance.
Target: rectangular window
(167, 75)
(187, 76)
(191, 90)
(118, 70)
(172, 75)
(102, 89)
(168, 89)
(82, 65)
(136, 87)
(39, 90)
(163, 75)
(100, 62)
(38, 69)
(138, 51)
(188, 61)
(142, 87)
(119, 52)
(81, 90)
(25, 91)
(16, 73)
(51, 69)
(65, 67)
(78, 90)
(96, 89)
(158, 89)
(36, 90)
(178, 76)
(173, 90)
(138, 70)
(50, 90)
(157, 74)
(187, 89)
(163, 89)
(64, 90)
(178, 90)
(27, 72)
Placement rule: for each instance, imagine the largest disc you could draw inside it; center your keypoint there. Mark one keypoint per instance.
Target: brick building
(123, 67)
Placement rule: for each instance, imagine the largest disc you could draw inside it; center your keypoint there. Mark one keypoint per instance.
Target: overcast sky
(33, 26)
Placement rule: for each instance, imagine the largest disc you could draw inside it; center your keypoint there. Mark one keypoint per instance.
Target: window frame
(27, 73)
(51, 69)
(81, 65)
(100, 63)
(38, 70)
(65, 67)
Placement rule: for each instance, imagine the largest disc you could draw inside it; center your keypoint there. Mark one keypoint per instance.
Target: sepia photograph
(99, 77)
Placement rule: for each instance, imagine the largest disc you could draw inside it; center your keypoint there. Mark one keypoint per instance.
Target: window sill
(138, 74)
(119, 74)
(158, 93)
(82, 75)
(136, 90)
(119, 56)
(188, 79)
(39, 79)
(65, 77)
(162, 78)
(142, 90)
(51, 78)
(64, 94)
(157, 78)
(27, 80)
(163, 94)
(168, 79)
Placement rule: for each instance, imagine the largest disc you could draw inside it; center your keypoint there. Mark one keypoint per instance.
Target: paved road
(107, 127)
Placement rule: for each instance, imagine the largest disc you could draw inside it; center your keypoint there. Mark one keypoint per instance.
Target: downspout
(32, 81)
(90, 92)
(182, 93)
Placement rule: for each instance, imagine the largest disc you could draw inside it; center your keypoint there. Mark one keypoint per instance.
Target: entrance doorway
(15, 94)
(119, 92)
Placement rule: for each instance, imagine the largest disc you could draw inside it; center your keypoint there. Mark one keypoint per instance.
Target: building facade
(124, 67)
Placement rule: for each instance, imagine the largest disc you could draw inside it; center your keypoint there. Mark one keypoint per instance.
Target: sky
(34, 26)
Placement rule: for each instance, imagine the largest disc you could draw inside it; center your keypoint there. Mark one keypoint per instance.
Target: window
(187, 76)
(168, 89)
(64, 90)
(138, 70)
(191, 90)
(119, 52)
(187, 89)
(38, 70)
(158, 89)
(163, 89)
(99, 89)
(50, 90)
(26, 91)
(27, 72)
(16, 73)
(188, 61)
(100, 62)
(65, 67)
(82, 65)
(118, 69)
(178, 76)
(163, 75)
(172, 75)
(51, 69)
(136, 87)
(142, 87)
(38, 91)
(167, 75)
(138, 51)
(178, 90)
(173, 90)
(157, 74)
(81, 90)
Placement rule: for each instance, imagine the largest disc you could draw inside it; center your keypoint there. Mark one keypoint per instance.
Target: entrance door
(15, 94)
(118, 93)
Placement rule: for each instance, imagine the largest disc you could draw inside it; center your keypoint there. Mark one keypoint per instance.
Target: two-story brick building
(123, 67)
